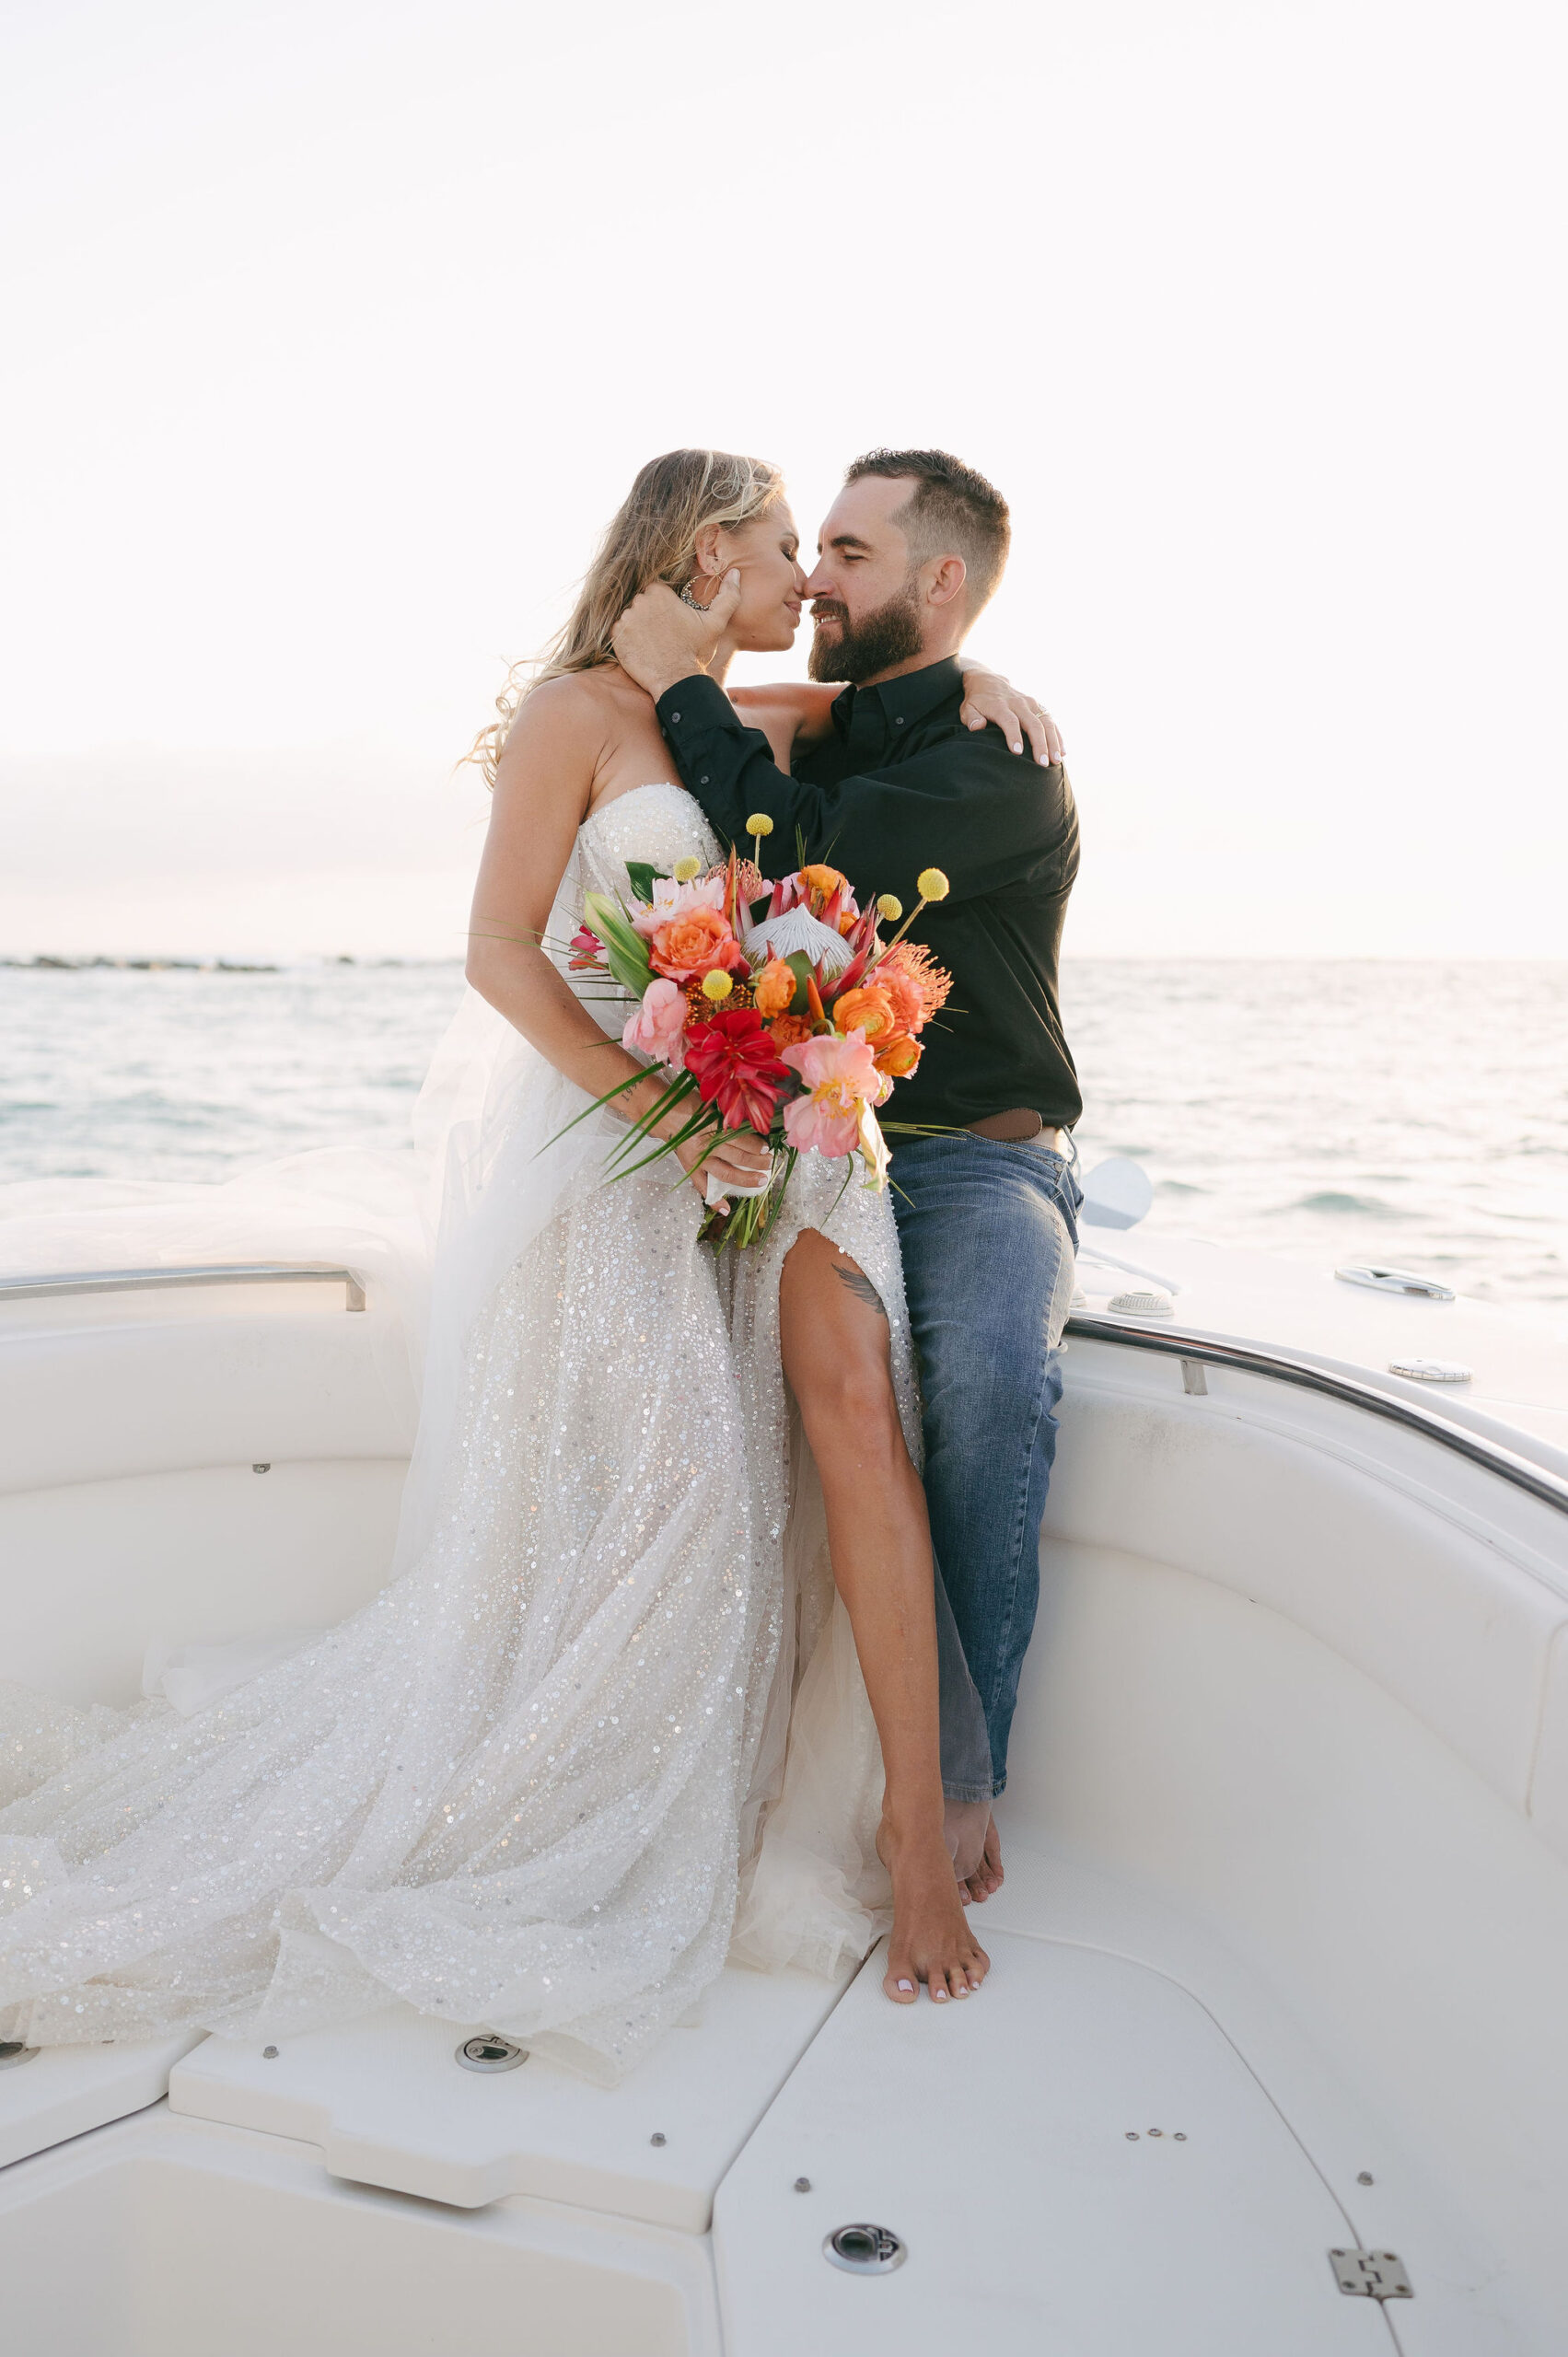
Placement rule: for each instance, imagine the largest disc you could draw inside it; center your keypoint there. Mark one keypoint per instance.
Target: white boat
(1273, 2057)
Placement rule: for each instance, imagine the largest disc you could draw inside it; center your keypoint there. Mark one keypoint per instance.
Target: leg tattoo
(862, 1287)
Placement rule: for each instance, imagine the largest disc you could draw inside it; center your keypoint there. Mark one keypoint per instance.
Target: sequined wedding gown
(606, 1719)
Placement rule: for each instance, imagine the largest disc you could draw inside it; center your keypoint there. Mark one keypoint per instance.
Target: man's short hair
(951, 511)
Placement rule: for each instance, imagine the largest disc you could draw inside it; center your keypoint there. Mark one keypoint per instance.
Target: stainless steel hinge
(1371, 2274)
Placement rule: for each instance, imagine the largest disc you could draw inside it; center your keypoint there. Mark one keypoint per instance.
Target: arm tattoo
(862, 1287)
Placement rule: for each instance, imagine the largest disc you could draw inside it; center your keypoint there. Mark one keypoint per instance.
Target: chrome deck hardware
(13, 2053)
(1383, 1279)
(246, 1273)
(1430, 1370)
(489, 2052)
(864, 2251)
(1371, 2275)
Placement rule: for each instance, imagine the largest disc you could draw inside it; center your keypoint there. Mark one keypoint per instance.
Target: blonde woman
(608, 1720)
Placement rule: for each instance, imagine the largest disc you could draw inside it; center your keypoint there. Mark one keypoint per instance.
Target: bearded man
(911, 551)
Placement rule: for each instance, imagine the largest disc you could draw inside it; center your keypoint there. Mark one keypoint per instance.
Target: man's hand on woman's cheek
(659, 639)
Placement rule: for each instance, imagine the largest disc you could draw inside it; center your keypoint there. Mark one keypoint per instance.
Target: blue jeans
(988, 1232)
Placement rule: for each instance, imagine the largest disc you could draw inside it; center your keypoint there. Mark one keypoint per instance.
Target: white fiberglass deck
(1286, 1835)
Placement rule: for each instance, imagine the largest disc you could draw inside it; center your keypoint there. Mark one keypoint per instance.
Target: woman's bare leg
(835, 1339)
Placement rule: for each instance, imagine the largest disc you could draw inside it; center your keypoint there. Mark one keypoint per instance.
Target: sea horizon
(1408, 1109)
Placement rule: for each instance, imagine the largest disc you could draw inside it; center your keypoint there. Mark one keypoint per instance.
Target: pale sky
(337, 332)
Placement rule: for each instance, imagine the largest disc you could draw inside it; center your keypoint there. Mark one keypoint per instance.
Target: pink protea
(657, 1025)
(672, 900)
(840, 1075)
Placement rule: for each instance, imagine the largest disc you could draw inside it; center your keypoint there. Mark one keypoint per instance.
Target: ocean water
(1415, 1113)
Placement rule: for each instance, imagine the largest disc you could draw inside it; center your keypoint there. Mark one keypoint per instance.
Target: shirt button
(899, 721)
(702, 781)
(675, 715)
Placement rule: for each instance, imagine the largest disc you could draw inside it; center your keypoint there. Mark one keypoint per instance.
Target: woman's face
(765, 552)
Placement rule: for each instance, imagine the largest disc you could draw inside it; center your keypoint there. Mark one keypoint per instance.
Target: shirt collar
(901, 703)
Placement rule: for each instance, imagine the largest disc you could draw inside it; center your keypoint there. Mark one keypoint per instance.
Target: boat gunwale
(1284, 1366)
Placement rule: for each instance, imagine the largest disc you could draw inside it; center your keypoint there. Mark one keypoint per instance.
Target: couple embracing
(680, 1657)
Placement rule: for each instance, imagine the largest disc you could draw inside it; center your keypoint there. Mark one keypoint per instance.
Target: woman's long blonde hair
(652, 538)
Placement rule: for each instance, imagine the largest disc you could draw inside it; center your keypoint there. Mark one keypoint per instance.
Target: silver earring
(688, 600)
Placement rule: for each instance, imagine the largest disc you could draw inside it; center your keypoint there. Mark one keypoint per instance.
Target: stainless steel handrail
(240, 1273)
(1250, 1358)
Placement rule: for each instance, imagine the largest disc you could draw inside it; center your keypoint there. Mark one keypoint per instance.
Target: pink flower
(656, 1025)
(673, 900)
(840, 1075)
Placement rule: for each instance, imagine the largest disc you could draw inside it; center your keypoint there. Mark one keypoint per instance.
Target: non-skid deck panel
(1008, 2141)
(63, 2091)
(388, 2103)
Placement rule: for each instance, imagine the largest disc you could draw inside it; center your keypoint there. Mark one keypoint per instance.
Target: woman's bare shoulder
(568, 717)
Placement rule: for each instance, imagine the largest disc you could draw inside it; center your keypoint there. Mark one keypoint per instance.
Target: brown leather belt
(1019, 1126)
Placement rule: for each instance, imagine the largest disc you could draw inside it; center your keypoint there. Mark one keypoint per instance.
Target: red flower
(736, 1066)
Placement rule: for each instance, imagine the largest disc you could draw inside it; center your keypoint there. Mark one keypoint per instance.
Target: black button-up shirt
(900, 786)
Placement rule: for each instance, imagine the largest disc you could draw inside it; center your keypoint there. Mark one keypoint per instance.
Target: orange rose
(775, 988)
(899, 1057)
(788, 1031)
(868, 1009)
(693, 944)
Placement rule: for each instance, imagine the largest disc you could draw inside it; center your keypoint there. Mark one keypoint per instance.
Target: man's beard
(875, 643)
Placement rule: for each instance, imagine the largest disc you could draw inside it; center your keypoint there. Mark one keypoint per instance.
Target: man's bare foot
(988, 1875)
(931, 1940)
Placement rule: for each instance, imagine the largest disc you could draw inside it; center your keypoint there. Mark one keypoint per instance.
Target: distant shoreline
(328, 960)
(47, 965)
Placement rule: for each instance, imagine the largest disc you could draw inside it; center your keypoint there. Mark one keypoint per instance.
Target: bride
(608, 1723)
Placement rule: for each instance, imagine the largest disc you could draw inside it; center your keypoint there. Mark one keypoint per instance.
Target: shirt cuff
(695, 705)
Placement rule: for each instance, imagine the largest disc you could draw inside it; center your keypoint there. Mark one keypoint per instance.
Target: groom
(913, 547)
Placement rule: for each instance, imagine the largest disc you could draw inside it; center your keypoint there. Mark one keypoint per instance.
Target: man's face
(863, 603)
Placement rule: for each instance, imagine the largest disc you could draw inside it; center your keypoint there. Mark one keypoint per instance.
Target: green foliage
(626, 950)
(642, 873)
(799, 965)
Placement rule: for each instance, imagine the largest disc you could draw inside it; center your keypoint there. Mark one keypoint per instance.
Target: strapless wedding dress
(605, 1724)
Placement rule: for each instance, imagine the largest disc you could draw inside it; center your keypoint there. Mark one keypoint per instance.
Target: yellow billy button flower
(931, 884)
(889, 906)
(717, 985)
(685, 869)
(758, 823)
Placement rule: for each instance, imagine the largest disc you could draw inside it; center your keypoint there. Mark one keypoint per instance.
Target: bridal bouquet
(777, 1008)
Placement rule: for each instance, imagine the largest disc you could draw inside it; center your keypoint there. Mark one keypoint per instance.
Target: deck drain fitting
(488, 2052)
(261, 1469)
(658, 2137)
(863, 2251)
(13, 2053)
